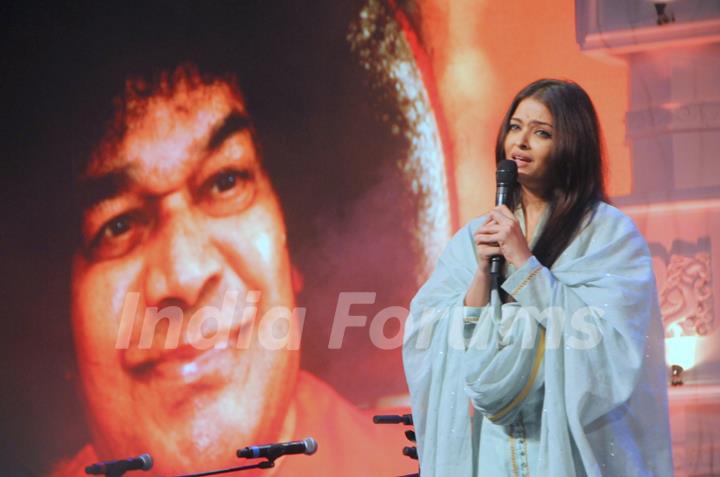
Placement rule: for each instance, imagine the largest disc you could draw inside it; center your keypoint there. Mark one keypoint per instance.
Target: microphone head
(147, 461)
(311, 445)
(506, 172)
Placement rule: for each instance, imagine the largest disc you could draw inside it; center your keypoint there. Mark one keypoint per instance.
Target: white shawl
(602, 366)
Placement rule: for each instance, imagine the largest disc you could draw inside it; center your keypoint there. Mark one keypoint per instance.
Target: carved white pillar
(673, 132)
(674, 107)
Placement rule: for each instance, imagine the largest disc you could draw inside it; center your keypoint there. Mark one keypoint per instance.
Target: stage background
(381, 153)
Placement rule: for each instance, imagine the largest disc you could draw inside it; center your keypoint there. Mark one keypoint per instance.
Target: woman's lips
(521, 160)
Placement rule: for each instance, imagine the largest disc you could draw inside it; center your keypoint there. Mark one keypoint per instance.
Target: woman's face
(529, 141)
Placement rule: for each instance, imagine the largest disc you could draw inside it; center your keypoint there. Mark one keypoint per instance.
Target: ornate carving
(686, 294)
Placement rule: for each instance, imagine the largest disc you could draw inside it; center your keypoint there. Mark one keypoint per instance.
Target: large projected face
(179, 219)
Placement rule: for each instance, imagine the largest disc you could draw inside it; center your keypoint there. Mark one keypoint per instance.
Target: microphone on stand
(119, 467)
(406, 419)
(506, 178)
(410, 452)
(269, 452)
(273, 451)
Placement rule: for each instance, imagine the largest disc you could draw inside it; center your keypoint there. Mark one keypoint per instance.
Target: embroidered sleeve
(531, 284)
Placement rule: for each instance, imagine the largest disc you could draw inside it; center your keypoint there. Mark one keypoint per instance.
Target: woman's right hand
(484, 246)
(479, 292)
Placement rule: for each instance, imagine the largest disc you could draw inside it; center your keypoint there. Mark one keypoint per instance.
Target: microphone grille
(147, 461)
(311, 445)
(506, 171)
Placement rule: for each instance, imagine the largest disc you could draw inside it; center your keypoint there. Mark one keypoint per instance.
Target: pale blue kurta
(568, 380)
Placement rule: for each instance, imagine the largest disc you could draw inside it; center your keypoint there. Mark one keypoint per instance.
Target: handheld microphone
(273, 451)
(119, 467)
(506, 178)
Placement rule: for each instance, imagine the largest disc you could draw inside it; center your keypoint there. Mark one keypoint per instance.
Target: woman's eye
(543, 134)
(514, 127)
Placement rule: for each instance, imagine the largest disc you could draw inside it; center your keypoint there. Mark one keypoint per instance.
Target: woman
(565, 375)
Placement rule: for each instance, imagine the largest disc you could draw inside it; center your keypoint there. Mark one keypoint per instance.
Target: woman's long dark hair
(574, 180)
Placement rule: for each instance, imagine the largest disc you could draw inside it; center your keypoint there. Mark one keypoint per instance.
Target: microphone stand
(116, 473)
(406, 419)
(267, 464)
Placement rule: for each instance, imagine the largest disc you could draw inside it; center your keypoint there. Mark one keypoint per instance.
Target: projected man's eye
(117, 236)
(229, 191)
(117, 226)
(226, 181)
(230, 179)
